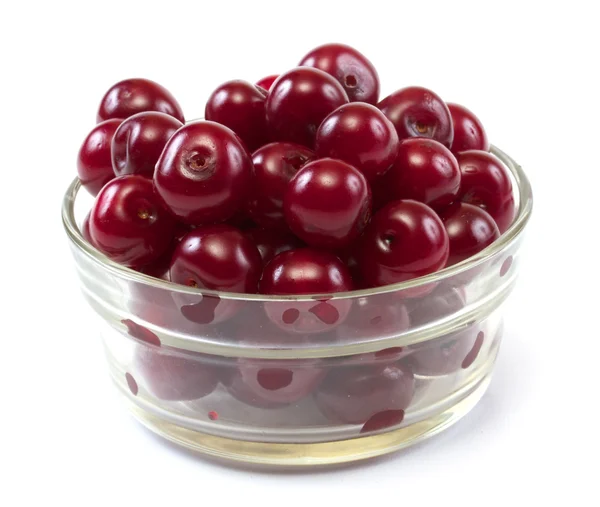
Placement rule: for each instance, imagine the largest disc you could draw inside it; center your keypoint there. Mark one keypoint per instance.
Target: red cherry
(306, 271)
(486, 183)
(418, 112)
(128, 222)
(266, 82)
(299, 101)
(470, 229)
(94, 165)
(469, 133)
(271, 243)
(424, 171)
(139, 141)
(352, 69)
(240, 106)
(131, 96)
(204, 173)
(274, 166)
(361, 135)
(217, 257)
(327, 203)
(404, 240)
(174, 375)
(85, 228)
(353, 395)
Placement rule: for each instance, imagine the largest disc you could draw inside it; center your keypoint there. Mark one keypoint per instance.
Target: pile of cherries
(302, 183)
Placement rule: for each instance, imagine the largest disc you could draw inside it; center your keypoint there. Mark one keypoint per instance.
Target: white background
(529, 70)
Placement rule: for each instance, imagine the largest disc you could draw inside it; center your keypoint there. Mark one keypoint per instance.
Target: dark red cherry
(204, 173)
(266, 82)
(94, 165)
(139, 141)
(274, 166)
(129, 223)
(418, 112)
(469, 133)
(240, 106)
(404, 240)
(131, 96)
(352, 69)
(424, 171)
(217, 257)
(470, 229)
(85, 229)
(299, 101)
(271, 243)
(306, 271)
(355, 394)
(328, 203)
(361, 135)
(176, 375)
(485, 182)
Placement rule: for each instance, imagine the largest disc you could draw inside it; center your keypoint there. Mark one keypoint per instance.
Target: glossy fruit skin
(404, 240)
(352, 70)
(240, 105)
(128, 222)
(470, 229)
(275, 164)
(271, 243)
(469, 133)
(266, 82)
(328, 203)
(485, 183)
(94, 165)
(424, 171)
(360, 135)
(204, 174)
(139, 141)
(299, 101)
(217, 257)
(85, 228)
(306, 271)
(352, 395)
(131, 96)
(419, 112)
(174, 375)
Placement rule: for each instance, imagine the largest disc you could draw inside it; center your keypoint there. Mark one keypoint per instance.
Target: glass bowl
(311, 380)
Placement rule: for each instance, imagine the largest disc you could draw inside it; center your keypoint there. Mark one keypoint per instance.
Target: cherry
(176, 375)
(217, 257)
(94, 165)
(404, 240)
(327, 203)
(354, 394)
(361, 135)
(418, 112)
(240, 106)
(299, 101)
(266, 82)
(131, 96)
(204, 173)
(352, 69)
(485, 183)
(424, 171)
(128, 222)
(160, 267)
(85, 229)
(469, 133)
(271, 243)
(270, 383)
(306, 271)
(274, 166)
(139, 141)
(470, 229)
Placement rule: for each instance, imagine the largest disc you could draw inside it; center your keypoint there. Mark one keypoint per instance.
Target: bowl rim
(525, 197)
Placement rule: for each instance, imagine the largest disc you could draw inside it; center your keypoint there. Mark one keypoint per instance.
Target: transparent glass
(311, 380)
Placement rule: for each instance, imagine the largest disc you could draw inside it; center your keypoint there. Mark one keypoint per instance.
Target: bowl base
(310, 454)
